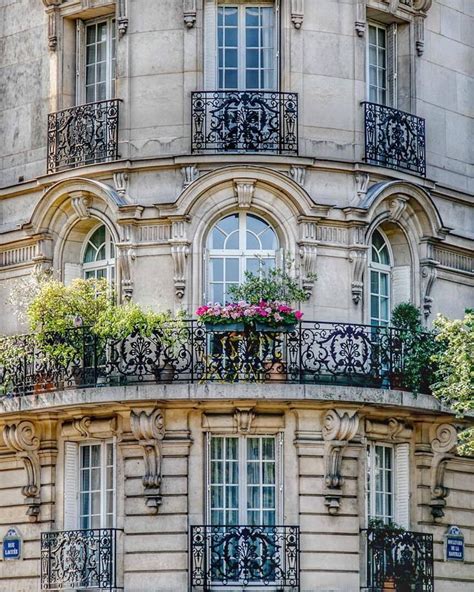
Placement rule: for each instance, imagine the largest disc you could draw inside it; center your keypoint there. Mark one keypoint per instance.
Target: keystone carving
(428, 276)
(397, 207)
(189, 13)
(149, 429)
(339, 427)
(297, 13)
(243, 418)
(308, 254)
(81, 203)
(244, 191)
(358, 258)
(442, 445)
(21, 437)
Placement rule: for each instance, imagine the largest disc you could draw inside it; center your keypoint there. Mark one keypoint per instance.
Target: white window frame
(81, 58)
(378, 27)
(211, 58)
(242, 483)
(380, 269)
(103, 481)
(242, 254)
(391, 64)
(371, 487)
(107, 264)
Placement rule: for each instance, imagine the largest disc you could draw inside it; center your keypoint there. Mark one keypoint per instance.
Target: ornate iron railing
(315, 352)
(244, 121)
(244, 557)
(83, 135)
(404, 559)
(79, 560)
(394, 138)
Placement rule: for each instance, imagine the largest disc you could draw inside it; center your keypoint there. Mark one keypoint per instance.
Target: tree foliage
(455, 369)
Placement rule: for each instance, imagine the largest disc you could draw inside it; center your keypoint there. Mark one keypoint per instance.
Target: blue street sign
(11, 547)
(454, 544)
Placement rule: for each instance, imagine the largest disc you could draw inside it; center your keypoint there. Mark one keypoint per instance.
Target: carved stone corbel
(190, 173)
(422, 7)
(122, 17)
(361, 18)
(298, 174)
(362, 184)
(244, 191)
(339, 427)
(53, 16)
(121, 183)
(243, 418)
(43, 257)
(308, 255)
(358, 258)
(81, 202)
(22, 438)
(125, 257)
(297, 13)
(149, 429)
(442, 445)
(393, 429)
(428, 276)
(179, 252)
(189, 13)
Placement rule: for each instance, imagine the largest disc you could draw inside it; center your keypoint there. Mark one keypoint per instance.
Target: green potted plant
(414, 347)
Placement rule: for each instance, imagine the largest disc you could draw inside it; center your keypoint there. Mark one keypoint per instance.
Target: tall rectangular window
(377, 64)
(96, 485)
(380, 482)
(246, 47)
(98, 41)
(242, 481)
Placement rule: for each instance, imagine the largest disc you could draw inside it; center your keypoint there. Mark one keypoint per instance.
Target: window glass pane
(232, 270)
(232, 448)
(217, 270)
(269, 472)
(252, 79)
(372, 34)
(253, 448)
(384, 284)
(374, 282)
(268, 497)
(90, 34)
(230, 79)
(230, 18)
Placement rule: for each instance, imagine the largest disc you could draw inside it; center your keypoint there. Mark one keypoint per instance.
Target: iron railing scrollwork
(405, 559)
(244, 557)
(79, 560)
(244, 121)
(314, 353)
(84, 134)
(394, 138)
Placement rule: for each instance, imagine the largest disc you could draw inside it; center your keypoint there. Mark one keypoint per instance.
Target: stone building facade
(168, 146)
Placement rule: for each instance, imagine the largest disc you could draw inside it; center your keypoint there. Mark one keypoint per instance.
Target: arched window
(237, 243)
(380, 280)
(99, 256)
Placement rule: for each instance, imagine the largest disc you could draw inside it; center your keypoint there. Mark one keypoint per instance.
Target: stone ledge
(182, 392)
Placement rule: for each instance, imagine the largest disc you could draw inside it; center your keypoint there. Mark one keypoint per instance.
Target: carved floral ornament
(148, 428)
(339, 428)
(22, 438)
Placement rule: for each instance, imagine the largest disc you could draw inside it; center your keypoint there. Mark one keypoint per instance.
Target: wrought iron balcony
(403, 559)
(394, 139)
(79, 560)
(244, 121)
(226, 557)
(315, 352)
(81, 135)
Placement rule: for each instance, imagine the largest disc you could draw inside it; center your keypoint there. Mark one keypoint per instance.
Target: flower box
(264, 328)
(225, 327)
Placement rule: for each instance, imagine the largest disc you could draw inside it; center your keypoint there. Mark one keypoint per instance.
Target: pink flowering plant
(274, 314)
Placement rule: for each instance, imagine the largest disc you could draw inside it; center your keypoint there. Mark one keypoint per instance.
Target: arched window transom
(99, 255)
(238, 243)
(380, 281)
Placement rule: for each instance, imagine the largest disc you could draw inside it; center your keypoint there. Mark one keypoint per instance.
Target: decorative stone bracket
(358, 258)
(149, 429)
(243, 419)
(361, 18)
(442, 445)
(244, 192)
(122, 17)
(21, 437)
(180, 250)
(393, 429)
(297, 13)
(428, 276)
(189, 13)
(308, 254)
(190, 174)
(339, 427)
(81, 203)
